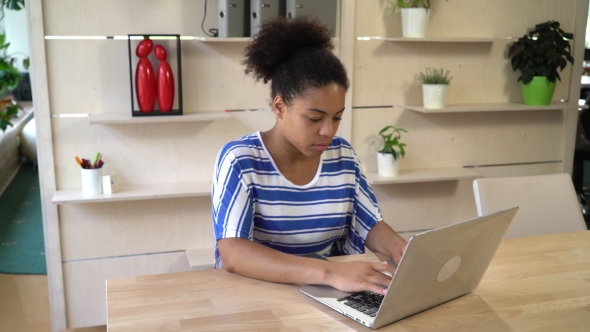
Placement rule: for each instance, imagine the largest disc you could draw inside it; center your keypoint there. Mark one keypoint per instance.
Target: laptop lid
(442, 264)
(438, 265)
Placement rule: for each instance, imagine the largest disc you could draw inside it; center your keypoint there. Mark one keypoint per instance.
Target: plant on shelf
(539, 56)
(415, 14)
(9, 78)
(435, 76)
(10, 4)
(389, 157)
(411, 4)
(9, 74)
(434, 87)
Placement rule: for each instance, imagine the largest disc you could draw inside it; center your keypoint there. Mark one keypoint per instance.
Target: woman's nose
(328, 128)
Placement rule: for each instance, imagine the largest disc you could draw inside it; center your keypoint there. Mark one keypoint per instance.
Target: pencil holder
(91, 181)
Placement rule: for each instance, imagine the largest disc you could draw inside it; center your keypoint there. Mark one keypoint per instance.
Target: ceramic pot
(414, 22)
(386, 165)
(434, 95)
(538, 92)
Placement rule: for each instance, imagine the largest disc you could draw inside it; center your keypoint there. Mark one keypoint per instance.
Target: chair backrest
(548, 203)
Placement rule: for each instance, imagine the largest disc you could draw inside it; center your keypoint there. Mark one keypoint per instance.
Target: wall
(87, 243)
(494, 143)
(17, 34)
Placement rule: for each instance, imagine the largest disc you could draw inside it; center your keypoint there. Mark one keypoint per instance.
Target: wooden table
(533, 284)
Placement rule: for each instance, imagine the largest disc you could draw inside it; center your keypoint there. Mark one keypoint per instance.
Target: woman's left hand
(382, 238)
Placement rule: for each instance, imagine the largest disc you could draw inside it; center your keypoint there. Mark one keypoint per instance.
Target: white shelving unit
(424, 175)
(231, 39)
(127, 118)
(256, 119)
(200, 259)
(134, 193)
(494, 107)
(437, 39)
(224, 40)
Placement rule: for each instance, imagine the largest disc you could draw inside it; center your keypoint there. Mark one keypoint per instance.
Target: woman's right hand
(359, 276)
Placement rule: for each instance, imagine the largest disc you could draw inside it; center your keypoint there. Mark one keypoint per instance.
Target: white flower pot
(434, 95)
(414, 22)
(386, 165)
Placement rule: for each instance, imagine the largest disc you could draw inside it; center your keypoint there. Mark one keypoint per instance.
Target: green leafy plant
(6, 113)
(9, 75)
(9, 78)
(10, 4)
(434, 76)
(411, 4)
(542, 52)
(391, 136)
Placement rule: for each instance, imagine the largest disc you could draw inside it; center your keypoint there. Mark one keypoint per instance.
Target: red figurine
(164, 81)
(145, 81)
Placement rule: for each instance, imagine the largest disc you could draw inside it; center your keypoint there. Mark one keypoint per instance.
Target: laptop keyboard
(365, 302)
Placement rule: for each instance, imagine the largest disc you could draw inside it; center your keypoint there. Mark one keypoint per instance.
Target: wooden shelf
(425, 175)
(200, 259)
(224, 40)
(497, 107)
(135, 193)
(129, 119)
(438, 39)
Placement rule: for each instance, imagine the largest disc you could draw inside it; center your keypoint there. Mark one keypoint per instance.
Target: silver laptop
(438, 265)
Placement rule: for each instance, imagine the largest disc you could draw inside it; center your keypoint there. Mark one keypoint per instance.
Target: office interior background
(160, 222)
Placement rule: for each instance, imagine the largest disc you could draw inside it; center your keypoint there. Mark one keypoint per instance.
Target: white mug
(91, 181)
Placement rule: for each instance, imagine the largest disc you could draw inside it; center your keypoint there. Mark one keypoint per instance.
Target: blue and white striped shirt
(330, 216)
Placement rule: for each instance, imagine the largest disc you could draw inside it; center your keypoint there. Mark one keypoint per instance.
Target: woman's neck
(294, 165)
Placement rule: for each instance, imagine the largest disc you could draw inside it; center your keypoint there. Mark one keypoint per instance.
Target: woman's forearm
(254, 260)
(257, 261)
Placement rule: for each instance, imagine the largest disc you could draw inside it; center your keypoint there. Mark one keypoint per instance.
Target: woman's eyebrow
(322, 112)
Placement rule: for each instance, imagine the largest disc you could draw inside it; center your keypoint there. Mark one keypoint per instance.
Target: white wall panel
(85, 282)
(115, 18)
(92, 76)
(135, 227)
(461, 139)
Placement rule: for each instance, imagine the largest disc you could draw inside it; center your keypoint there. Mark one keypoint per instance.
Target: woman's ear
(279, 107)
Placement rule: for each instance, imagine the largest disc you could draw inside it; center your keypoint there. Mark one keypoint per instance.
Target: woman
(297, 189)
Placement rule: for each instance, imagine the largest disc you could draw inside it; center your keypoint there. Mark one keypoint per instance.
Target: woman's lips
(321, 147)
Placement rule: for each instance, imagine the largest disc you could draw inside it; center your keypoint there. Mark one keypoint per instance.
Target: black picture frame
(174, 53)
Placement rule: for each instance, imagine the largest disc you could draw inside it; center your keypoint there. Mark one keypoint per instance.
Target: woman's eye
(337, 119)
(315, 119)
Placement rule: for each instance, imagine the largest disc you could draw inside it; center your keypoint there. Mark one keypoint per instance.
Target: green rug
(22, 248)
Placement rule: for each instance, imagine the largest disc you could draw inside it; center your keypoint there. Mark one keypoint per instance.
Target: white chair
(548, 203)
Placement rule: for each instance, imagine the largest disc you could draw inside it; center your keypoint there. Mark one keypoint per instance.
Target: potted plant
(538, 55)
(9, 75)
(10, 4)
(434, 87)
(9, 78)
(415, 14)
(389, 157)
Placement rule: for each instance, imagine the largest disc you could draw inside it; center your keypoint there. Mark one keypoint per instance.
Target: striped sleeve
(231, 201)
(366, 213)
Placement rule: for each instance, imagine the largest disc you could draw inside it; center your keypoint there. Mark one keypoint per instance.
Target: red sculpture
(164, 81)
(145, 81)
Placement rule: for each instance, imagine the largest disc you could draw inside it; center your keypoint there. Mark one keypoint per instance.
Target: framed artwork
(155, 73)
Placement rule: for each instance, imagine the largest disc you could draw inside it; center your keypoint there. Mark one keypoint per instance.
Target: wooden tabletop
(533, 284)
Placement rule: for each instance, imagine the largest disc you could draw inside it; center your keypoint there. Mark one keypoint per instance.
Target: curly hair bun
(279, 39)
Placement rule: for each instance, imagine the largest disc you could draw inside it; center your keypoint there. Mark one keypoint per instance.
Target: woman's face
(311, 121)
